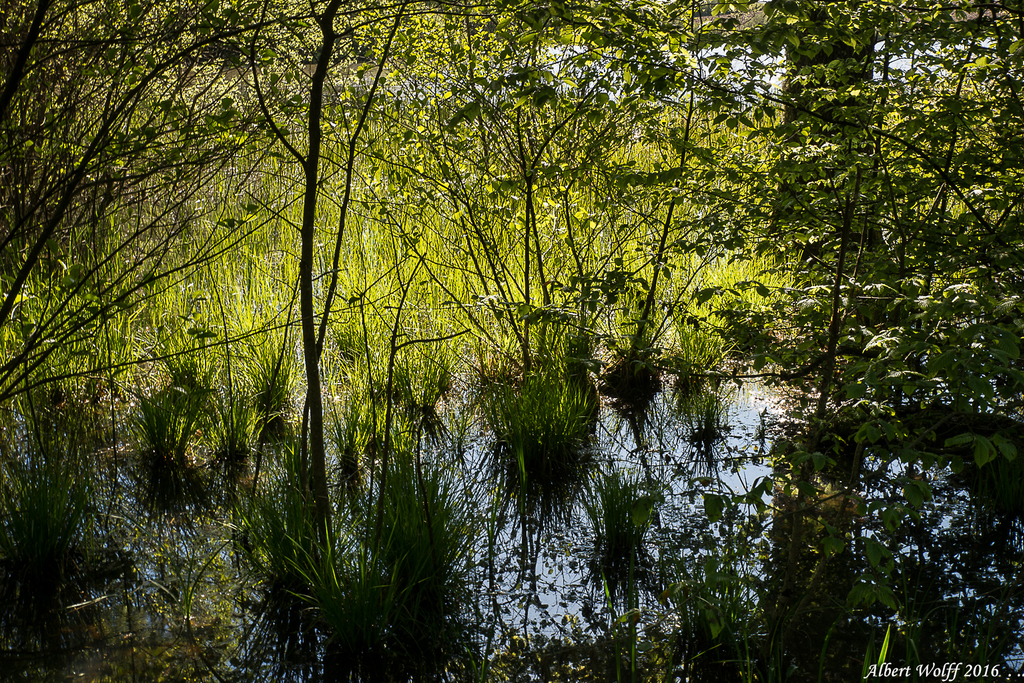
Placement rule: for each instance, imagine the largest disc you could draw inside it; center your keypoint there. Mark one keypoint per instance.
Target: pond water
(175, 599)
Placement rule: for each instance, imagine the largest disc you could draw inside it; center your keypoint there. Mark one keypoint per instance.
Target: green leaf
(468, 113)
(887, 597)
(959, 440)
(832, 545)
(885, 645)
(916, 492)
(875, 551)
(73, 275)
(868, 433)
(713, 506)
(1005, 446)
(642, 509)
(201, 333)
(1008, 344)
(984, 451)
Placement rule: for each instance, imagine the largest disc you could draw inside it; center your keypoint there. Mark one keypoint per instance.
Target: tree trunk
(314, 438)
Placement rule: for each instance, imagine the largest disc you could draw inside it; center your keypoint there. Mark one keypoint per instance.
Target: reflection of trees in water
(953, 575)
(955, 579)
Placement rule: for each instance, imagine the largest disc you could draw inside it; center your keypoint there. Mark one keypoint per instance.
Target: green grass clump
(542, 428)
(166, 424)
(494, 366)
(705, 418)
(190, 366)
(355, 439)
(695, 351)
(276, 529)
(427, 536)
(165, 429)
(421, 379)
(45, 517)
(232, 426)
(393, 605)
(633, 374)
(271, 371)
(620, 511)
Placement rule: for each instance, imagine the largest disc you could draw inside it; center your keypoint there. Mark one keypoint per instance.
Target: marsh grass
(357, 604)
(71, 380)
(580, 356)
(165, 429)
(494, 366)
(277, 533)
(45, 516)
(428, 535)
(542, 429)
(348, 337)
(270, 370)
(191, 365)
(705, 418)
(422, 378)
(621, 509)
(232, 425)
(632, 377)
(396, 607)
(355, 437)
(696, 350)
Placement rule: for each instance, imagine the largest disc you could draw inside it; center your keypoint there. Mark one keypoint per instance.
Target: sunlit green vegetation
(408, 342)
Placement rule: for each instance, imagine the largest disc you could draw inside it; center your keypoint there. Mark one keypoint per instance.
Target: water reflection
(549, 593)
(280, 641)
(46, 618)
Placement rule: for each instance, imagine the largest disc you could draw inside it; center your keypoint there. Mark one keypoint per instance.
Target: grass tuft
(705, 417)
(165, 429)
(232, 426)
(45, 517)
(276, 530)
(542, 428)
(271, 371)
(354, 436)
(621, 510)
(695, 351)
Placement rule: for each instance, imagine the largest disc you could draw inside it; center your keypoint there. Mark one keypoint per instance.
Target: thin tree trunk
(313, 441)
